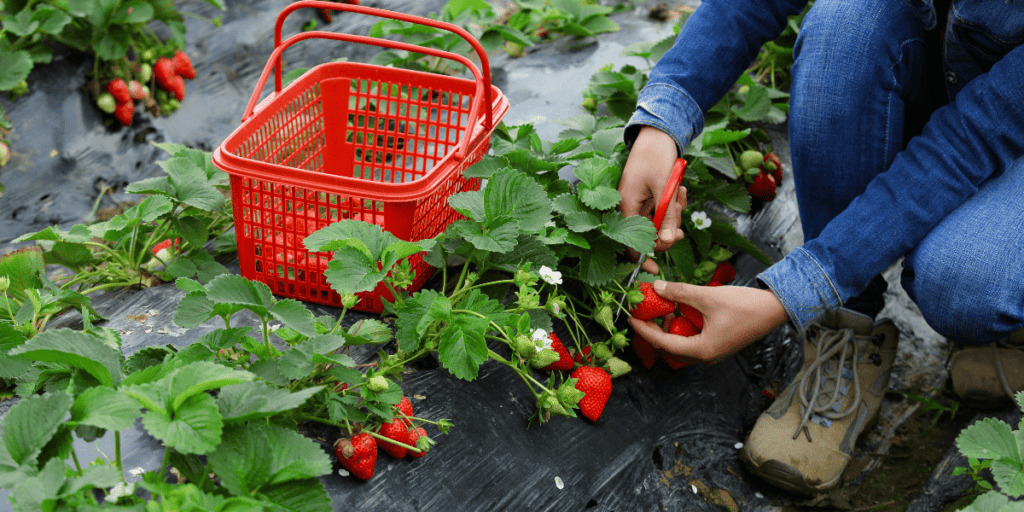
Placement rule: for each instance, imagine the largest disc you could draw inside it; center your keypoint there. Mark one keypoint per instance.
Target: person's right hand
(643, 180)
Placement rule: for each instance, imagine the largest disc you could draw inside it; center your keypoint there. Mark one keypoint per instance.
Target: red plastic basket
(353, 141)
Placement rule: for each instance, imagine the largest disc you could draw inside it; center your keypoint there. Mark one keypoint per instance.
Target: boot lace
(823, 379)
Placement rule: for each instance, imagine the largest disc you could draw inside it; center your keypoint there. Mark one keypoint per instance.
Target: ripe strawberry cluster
(358, 454)
(593, 385)
(766, 176)
(688, 321)
(169, 73)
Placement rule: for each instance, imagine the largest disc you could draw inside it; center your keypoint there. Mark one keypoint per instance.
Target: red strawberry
(119, 90)
(414, 435)
(166, 244)
(580, 355)
(404, 411)
(136, 90)
(125, 112)
(395, 430)
(763, 186)
(777, 163)
(646, 352)
(714, 283)
(183, 65)
(653, 306)
(358, 455)
(695, 317)
(353, 2)
(163, 70)
(177, 88)
(597, 386)
(5, 154)
(680, 326)
(326, 13)
(725, 273)
(564, 362)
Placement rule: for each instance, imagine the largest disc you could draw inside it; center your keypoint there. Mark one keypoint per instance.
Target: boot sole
(785, 477)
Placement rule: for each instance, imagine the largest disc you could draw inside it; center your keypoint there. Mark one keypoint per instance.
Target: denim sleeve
(963, 144)
(716, 44)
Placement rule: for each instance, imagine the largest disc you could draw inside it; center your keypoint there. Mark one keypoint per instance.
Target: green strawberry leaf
(257, 399)
(200, 377)
(528, 248)
(195, 426)
(368, 331)
(500, 237)
(597, 265)
(31, 423)
(725, 233)
(606, 141)
(105, 408)
(512, 194)
(295, 315)
(23, 267)
(1009, 476)
(731, 195)
(415, 317)
(307, 495)
(988, 439)
(756, 106)
(76, 349)
(636, 232)
(462, 347)
(193, 309)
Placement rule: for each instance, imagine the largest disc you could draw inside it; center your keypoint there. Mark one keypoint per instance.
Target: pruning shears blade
(674, 179)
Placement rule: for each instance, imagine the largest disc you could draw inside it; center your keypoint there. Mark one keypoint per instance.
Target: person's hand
(734, 317)
(643, 180)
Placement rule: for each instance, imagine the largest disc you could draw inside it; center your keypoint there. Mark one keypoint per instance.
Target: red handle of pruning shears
(674, 179)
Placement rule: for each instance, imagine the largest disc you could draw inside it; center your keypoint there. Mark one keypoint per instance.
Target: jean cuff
(805, 290)
(668, 108)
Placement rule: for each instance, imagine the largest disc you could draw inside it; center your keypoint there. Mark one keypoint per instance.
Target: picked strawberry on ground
(565, 361)
(763, 186)
(652, 306)
(357, 455)
(597, 386)
(396, 430)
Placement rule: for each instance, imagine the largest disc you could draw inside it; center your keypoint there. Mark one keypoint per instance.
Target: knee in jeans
(954, 299)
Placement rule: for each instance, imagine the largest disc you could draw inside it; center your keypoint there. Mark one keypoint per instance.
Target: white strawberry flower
(541, 339)
(700, 220)
(121, 489)
(550, 276)
(136, 471)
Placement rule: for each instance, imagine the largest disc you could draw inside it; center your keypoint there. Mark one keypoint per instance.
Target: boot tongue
(843, 318)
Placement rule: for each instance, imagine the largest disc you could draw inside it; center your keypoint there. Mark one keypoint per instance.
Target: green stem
(74, 456)
(117, 453)
(108, 286)
(163, 465)
(462, 291)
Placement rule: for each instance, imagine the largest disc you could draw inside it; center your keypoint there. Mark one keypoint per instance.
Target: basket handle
(483, 79)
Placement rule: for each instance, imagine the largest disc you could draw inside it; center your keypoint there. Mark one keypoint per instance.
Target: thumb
(681, 292)
(670, 232)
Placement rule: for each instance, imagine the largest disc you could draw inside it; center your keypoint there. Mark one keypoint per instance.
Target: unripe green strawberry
(604, 318)
(568, 394)
(634, 296)
(548, 403)
(143, 72)
(544, 358)
(719, 253)
(705, 269)
(514, 50)
(106, 103)
(590, 103)
(5, 155)
(525, 347)
(617, 367)
(619, 340)
(377, 384)
(751, 158)
(743, 89)
(148, 55)
(20, 89)
(601, 351)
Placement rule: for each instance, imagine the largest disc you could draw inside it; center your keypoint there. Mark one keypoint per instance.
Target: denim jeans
(948, 199)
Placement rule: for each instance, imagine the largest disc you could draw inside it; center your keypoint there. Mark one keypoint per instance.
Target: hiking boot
(803, 441)
(987, 377)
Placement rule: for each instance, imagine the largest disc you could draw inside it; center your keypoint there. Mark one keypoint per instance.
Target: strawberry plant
(992, 444)
(117, 33)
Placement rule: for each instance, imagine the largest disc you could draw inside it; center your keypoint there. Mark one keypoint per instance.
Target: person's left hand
(734, 317)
